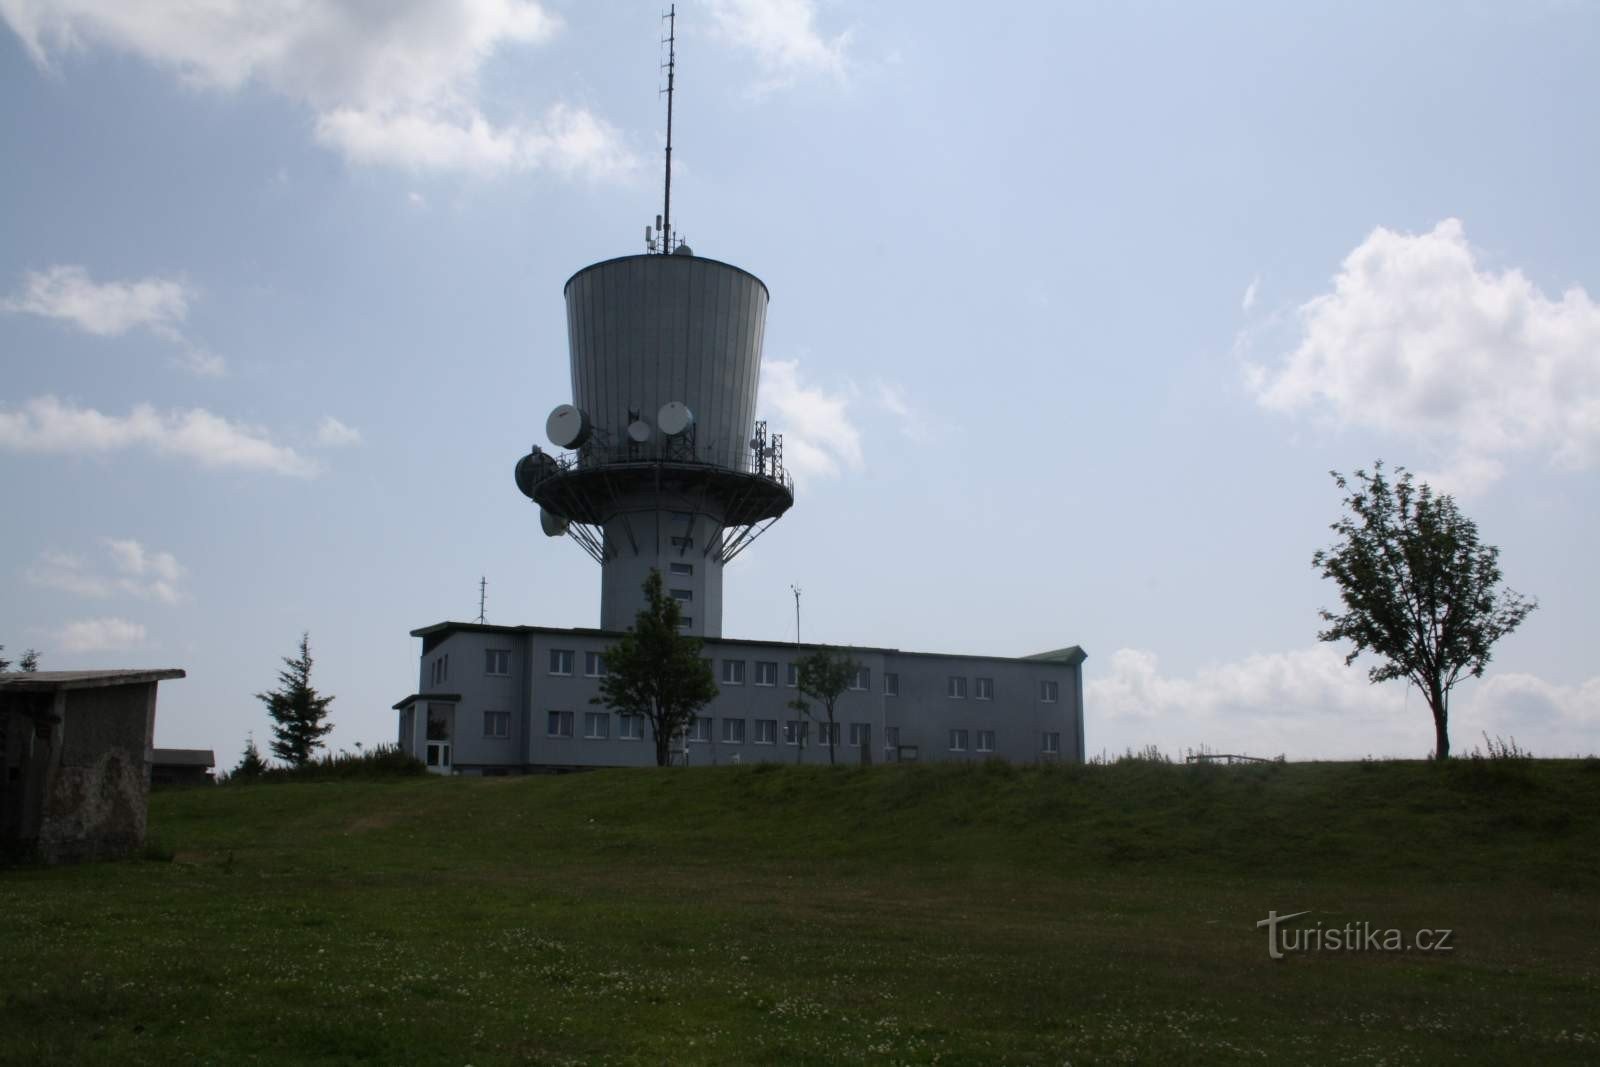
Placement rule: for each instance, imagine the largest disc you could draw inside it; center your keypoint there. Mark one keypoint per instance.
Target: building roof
(184, 757)
(48, 681)
(414, 697)
(1070, 656)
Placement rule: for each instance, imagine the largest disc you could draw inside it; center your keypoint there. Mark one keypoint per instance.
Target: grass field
(959, 915)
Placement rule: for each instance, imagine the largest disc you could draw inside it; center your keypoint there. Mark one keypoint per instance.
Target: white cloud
(1308, 705)
(1418, 341)
(100, 635)
(390, 83)
(819, 437)
(47, 425)
(136, 571)
(331, 433)
(1250, 293)
(892, 399)
(109, 309)
(106, 309)
(783, 36)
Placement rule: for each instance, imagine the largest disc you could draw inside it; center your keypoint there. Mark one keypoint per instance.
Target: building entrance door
(439, 757)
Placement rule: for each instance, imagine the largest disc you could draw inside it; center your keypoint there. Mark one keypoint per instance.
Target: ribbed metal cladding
(645, 330)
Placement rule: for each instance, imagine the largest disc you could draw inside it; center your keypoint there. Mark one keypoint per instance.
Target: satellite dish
(532, 469)
(553, 525)
(674, 418)
(567, 427)
(638, 431)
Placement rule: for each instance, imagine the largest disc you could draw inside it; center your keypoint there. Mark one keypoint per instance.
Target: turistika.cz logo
(1351, 937)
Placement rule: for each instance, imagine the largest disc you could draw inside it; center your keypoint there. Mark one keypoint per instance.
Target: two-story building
(515, 699)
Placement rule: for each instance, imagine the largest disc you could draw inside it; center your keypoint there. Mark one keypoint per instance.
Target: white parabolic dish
(674, 418)
(567, 426)
(554, 525)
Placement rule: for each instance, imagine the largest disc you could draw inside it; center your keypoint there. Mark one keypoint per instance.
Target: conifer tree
(297, 710)
(251, 765)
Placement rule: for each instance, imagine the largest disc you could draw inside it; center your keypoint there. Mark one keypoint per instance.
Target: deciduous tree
(1420, 591)
(824, 675)
(655, 670)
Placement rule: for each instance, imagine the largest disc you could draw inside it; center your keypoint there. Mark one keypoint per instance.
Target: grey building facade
(514, 699)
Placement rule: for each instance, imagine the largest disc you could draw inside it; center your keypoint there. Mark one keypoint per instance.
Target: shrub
(380, 761)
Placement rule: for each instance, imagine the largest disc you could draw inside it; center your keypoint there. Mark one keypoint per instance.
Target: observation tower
(659, 462)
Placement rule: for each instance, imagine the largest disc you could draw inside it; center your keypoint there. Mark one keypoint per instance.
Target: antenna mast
(483, 588)
(672, 65)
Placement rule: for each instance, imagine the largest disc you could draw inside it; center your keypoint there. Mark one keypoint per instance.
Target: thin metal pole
(796, 589)
(672, 63)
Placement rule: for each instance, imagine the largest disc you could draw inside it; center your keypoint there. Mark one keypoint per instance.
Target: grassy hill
(980, 914)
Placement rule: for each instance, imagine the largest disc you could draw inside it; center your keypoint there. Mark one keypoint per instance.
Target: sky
(1074, 308)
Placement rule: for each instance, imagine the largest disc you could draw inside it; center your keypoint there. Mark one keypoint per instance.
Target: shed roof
(49, 681)
(183, 757)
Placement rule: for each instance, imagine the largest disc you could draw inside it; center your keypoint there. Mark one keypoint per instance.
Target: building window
(891, 737)
(497, 724)
(827, 733)
(594, 664)
(683, 596)
(860, 734)
(958, 740)
(630, 727)
(700, 728)
(1052, 743)
(681, 570)
(766, 674)
(794, 731)
(559, 724)
(1049, 692)
(984, 689)
(733, 731)
(685, 621)
(441, 669)
(561, 660)
(497, 661)
(683, 542)
(792, 678)
(956, 689)
(597, 725)
(766, 731)
(891, 685)
(733, 672)
(985, 740)
(863, 679)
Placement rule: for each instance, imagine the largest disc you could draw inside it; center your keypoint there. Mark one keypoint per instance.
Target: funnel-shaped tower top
(665, 466)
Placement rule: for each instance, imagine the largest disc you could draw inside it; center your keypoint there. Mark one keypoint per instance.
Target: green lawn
(776, 915)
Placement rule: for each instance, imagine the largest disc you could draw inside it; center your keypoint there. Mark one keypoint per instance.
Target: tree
(251, 765)
(28, 664)
(656, 672)
(1419, 589)
(297, 711)
(824, 675)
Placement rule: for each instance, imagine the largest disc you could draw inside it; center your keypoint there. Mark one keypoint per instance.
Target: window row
(597, 726)
(562, 662)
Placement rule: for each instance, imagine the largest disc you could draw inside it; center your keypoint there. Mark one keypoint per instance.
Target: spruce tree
(297, 711)
(251, 765)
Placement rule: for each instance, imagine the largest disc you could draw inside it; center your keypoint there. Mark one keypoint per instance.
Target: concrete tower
(664, 465)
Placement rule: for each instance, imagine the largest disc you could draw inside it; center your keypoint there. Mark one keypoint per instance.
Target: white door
(439, 757)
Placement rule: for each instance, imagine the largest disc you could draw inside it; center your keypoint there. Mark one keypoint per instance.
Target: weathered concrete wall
(95, 802)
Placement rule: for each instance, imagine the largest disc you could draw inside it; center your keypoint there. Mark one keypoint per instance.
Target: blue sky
(1073, 308)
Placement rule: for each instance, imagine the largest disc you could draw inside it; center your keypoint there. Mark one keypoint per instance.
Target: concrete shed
(75, 761)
